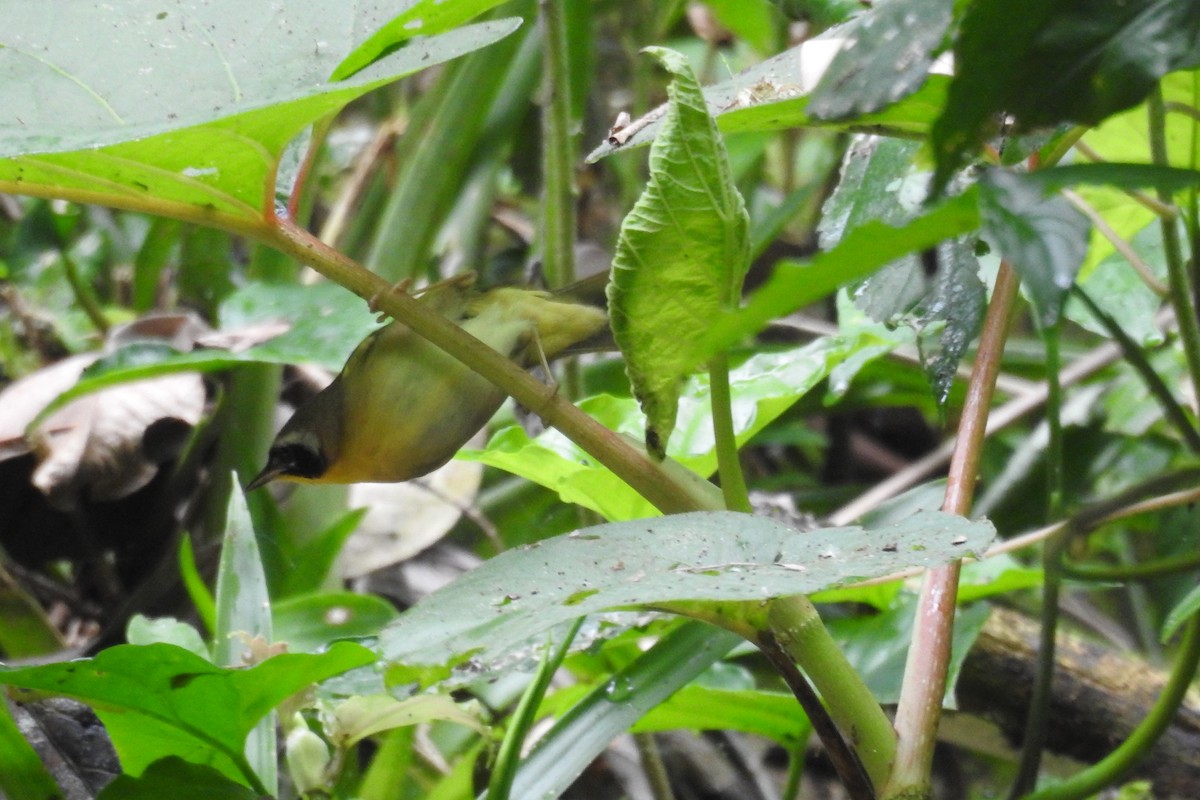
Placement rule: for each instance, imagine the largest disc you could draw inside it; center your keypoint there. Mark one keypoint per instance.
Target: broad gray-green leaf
(720, 556)
(887, 55)
(681, 255)
(182, 109)
(1044, 238)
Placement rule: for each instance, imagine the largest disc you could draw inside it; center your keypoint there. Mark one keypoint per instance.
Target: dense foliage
(923, 271)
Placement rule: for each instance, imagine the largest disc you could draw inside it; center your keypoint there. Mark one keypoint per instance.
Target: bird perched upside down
(402, 407)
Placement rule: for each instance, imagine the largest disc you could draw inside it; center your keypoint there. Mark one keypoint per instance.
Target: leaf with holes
(681, 255)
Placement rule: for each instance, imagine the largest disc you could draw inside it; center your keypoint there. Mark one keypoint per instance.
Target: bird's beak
(268, 474)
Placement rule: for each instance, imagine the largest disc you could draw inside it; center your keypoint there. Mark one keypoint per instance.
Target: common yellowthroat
(401, 407)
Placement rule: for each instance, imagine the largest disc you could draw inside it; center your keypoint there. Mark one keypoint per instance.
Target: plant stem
(653, 766)
(733, 482)
(509, 757)
(558, 152)
(925, 672)
(1147, 570)
(1118, 763)
(854, 778)
(653, 480)
(1034, 738)
(798, 630)
(1179, 279)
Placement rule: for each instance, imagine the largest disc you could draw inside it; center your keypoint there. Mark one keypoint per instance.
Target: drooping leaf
(182, 111)
(514, 597)
(1077, 61)
(1044, 238)
(888, 52)
(160, 700)
(681, 256)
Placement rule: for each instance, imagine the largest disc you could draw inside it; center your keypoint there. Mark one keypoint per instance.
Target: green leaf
(877, 645)
(681, 256)
(753, 21)
(1122, 294)
(698, 556)
(887, 56)
(174, 777)
(1044, 238)
(1045, 63)
(700, 708)
(420, 18)
(310, 623)
(359, 717)
(166, 630)
(863, 250)
(762, 388)
(325, 322)
(243, 607)
(946, 307)
(182, 112)
(160, 700)
(611, 709)
(316, 557)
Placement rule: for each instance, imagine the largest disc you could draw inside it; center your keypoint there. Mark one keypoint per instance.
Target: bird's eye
(300, 460)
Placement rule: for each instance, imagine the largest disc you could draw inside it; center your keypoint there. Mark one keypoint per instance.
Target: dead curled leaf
(108, 444)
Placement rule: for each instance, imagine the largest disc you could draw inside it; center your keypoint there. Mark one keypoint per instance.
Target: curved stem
(1118, 763)
(652, 480)
(733, 482)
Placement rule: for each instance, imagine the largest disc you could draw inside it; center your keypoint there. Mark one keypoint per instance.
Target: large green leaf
(762, 388)
(887, 56)
(160, 700)
(1044, 238)
(721, 556)
(610, 710)
(681, 255)
(1044, 63)
(944, 306)
(182, 110)
(174, 777)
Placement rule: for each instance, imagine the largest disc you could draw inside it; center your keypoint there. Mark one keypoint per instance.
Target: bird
(401, 407)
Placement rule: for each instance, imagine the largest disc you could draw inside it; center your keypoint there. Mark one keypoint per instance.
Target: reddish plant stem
(928, 662)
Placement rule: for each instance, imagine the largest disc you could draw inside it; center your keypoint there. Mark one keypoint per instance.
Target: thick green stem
(798, 629)
(925, 672)
(654, 481)
(558, 151)
(733, 482)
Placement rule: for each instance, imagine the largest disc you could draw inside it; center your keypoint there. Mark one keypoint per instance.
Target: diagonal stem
(928, 662)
